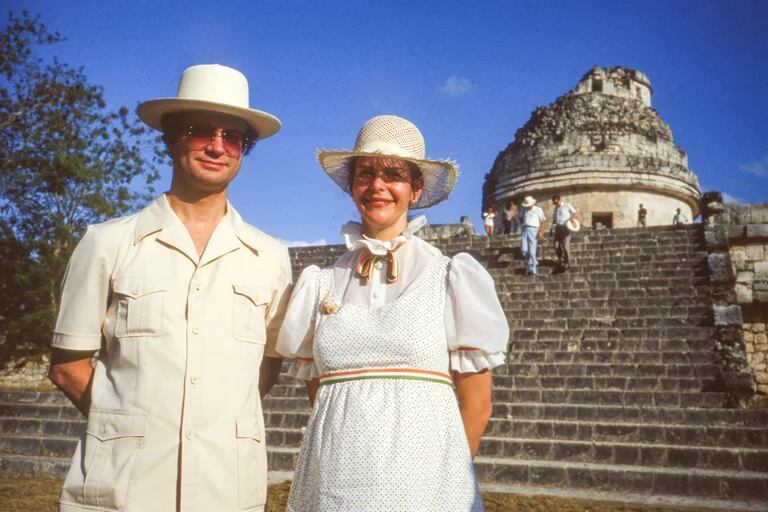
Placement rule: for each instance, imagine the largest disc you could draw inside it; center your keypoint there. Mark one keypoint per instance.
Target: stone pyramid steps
(611, 385)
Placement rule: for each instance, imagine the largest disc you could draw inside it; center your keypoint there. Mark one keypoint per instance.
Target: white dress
(385, 433)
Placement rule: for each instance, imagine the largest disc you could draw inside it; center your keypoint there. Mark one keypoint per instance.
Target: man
(509, 218)
(679, 219)
(564, 213)
(178, 303)
(641, 214)
(532, 222)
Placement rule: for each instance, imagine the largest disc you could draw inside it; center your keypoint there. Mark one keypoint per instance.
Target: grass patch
(41, 495)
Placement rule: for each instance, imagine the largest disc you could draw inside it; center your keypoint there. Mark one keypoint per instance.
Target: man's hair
(174, 123)
(556, 197)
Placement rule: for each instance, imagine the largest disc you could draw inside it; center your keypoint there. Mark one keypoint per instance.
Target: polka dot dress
(385, 434)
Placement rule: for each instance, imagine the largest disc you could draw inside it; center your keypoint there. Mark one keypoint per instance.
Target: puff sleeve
(476, 327)
(296, 337)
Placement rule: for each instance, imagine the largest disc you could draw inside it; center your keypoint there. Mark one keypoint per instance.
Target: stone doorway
(602, 220)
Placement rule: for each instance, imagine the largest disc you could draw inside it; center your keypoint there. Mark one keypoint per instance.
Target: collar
(159, 216)
(354, 239)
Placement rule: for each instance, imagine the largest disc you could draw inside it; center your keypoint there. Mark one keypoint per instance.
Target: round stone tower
(604, 149)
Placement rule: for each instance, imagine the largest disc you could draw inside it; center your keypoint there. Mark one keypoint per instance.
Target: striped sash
(386, 373)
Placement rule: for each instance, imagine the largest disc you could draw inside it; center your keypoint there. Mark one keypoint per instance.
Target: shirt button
(195, 330)
(197, 287)
(376, 295)
(378, 265)
(135, 291)
(193, 380)
(188, 435)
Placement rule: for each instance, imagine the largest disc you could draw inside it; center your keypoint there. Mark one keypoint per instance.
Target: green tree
(66, 161)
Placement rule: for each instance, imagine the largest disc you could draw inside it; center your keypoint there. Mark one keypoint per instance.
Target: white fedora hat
(393, 136)
(213, 88)
(528, 201)
(573, 225)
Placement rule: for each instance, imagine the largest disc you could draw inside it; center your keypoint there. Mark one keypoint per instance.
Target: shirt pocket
(249, 313)
(140, 307)
(251, 463)
(113, 441)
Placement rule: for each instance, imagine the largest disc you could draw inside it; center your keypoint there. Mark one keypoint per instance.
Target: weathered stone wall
(756, 340)
(743, 231)
(747, 227)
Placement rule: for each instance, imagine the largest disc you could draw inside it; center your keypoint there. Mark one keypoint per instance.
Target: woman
(382, 337)
(489, 220)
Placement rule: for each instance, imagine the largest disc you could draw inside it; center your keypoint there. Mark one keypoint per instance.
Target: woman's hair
(416, 174)
(174, 124)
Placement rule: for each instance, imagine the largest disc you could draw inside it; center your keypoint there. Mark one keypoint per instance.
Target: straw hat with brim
(528, 202)
(396, 137)
(211, 88)
(573, 225)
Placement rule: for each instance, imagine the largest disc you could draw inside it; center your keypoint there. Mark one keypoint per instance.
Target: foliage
(65, 162)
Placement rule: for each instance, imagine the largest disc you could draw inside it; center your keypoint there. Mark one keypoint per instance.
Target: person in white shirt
(387, 338)
(679, 218)
(532, 229)
(489, 221)
(564, 212)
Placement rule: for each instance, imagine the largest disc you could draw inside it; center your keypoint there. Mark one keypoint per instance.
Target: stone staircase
(611, 386)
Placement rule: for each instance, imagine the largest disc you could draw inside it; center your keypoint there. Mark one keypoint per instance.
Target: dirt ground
(40, 495)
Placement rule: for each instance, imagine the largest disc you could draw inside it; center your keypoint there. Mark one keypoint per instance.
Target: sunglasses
(387, 175)
(199, 136)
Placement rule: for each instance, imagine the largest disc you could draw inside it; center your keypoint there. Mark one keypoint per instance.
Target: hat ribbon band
(386, 148)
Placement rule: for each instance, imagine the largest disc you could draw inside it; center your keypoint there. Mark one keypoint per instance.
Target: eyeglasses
(365, 175)
(199, 136)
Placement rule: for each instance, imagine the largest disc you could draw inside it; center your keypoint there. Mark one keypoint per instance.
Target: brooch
(328, 307)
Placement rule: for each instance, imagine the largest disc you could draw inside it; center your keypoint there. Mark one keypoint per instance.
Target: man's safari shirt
(175, 398)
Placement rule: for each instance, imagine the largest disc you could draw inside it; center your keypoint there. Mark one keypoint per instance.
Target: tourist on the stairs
(384, 335)
(509, 218)
(181, 300)
(642, 213)
(679, 219)
(532, 222)
(563, 221)
(489, 221)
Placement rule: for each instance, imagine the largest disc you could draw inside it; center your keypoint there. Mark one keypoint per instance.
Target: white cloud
(728, 198)
(758, 167)
(456, 86)
(304, 243)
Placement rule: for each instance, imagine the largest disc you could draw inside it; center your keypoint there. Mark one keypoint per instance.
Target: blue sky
(468, 74)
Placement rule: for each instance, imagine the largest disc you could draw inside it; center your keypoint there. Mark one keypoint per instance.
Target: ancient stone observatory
(604, 149)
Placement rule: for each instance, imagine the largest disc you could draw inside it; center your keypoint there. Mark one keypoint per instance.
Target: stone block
(718, 238)
(755, 253)
(761, 377)
(758, 327)
(758, 357)
(734, 231)
(761, 271)
(745, 277)
(720, 267)
(727, 315)
(749, 336)
(744, 293)
(757, 230)
(761, 338)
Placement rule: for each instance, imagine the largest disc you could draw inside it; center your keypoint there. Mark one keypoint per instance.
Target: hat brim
(439, 175)
(526, 204)
(152, 112)
(573, 225)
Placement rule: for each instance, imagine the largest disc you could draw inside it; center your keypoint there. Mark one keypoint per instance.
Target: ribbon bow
(367, 260)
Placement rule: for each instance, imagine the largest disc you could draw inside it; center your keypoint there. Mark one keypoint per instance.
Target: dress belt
(386, 373)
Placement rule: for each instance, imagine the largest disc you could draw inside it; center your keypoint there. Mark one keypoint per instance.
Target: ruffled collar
(352, 232)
